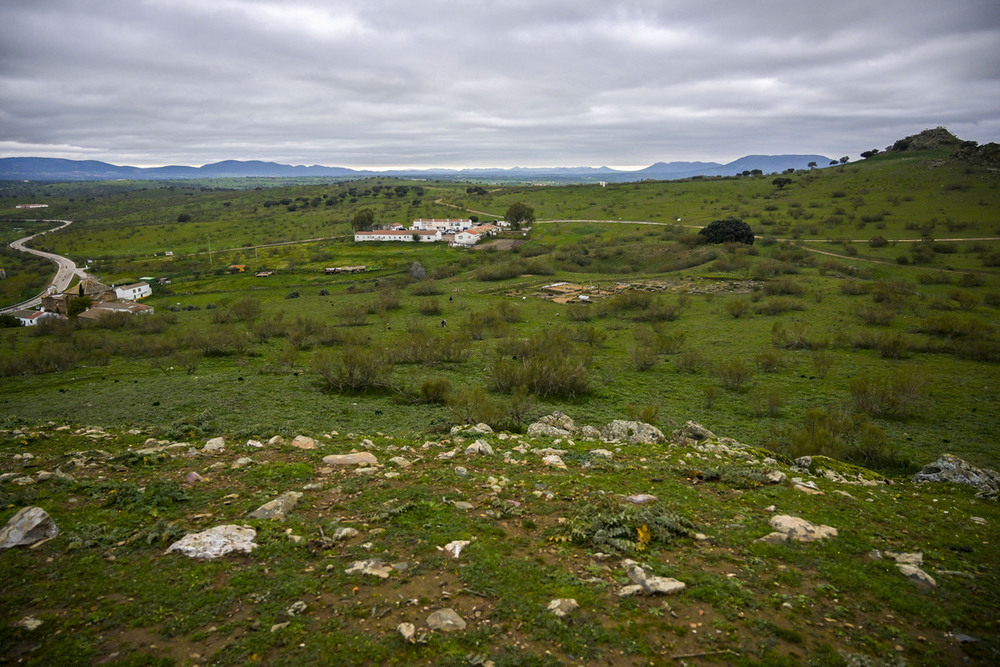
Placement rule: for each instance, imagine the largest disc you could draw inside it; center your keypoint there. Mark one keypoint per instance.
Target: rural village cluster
(105, 300)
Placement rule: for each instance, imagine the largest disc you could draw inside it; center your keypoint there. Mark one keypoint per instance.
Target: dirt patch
(500, 244)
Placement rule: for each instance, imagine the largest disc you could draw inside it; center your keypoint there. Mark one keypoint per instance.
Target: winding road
(65, 271)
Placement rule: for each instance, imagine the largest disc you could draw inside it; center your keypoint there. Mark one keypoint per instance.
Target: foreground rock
(359, 458)
(634, 433)
(216, 542)
(950, 468)
(278, 508)
(29, 526)
(445, 620)
(563, 606)
(793, 528)
(646, 583)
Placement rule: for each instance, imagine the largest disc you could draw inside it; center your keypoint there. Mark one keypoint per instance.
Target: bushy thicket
(548, 364)
(728, 230)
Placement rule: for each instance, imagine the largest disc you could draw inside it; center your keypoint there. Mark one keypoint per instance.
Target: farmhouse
(30, 318)
(133, 292)
(442, 224)
(421, 235)
(474, 235)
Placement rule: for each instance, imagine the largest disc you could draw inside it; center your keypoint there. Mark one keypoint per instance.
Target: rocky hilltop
(571, 543)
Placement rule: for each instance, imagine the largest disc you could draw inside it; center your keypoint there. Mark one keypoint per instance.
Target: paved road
(65, 270)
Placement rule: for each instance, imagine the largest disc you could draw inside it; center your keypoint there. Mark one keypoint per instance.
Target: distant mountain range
(55, 169)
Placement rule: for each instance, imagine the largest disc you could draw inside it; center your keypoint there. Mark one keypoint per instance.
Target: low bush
(891, 396)
(734, 373)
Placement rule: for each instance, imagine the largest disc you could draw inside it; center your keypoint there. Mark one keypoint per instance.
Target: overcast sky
(465, 83)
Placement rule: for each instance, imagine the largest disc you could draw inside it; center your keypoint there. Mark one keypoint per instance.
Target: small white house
(405, 235)
(134, 292)
(471, 237)
(30, 318)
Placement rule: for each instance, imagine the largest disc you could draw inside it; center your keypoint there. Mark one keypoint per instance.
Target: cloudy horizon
(390, 84)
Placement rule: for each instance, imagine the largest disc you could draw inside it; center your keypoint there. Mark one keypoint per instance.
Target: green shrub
(546, 363)
(353, 368)
(734, 373)
(893, 396)
(737, 308)
(435, 390)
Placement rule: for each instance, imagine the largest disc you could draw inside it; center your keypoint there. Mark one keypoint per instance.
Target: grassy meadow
(862, 325)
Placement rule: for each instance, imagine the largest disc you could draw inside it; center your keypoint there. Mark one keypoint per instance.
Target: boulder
(632, 432)
(554, 461)
(563, 606)
(216, 542)
(479, 447)
(445, 620)
(477, 429)
(691, 433)
(916, 575)
(278, 508)
(788, 527)
(374, 567)
(214, 445)
(29, 526)
(649, 583)
(303, 442)
(539, 430)
(950, 468)
(276, 441)
(358, 458)
(400, 462)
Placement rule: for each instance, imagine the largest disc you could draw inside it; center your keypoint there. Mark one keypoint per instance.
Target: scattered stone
(563, 606)
(358, 458)
(632, 432)
(478, 429)
(367, 444)
(29, 623)
(811, 490)
(29, 526)
(589, 432)
(276, 441)
(454, 548)
(280, 626)
(445, 620)
(644, 583)
(640, 498)
(214, 445)
(602, 452)
(691, 433)
(343, 533)
(463, 505)
(23, 481)
(241, 462)
(373, 567)
(776, 477)
(407, 630)
(554, 461)
(278, 508)
(444, 456)
(461, 472)
(400, 462)
(479, 447)
(216, 542)
(257, 444)
(296, 608)
(193, 478)
(978, 519)
(950, 468)
(303, 442)
(794, 528)
(916, 575)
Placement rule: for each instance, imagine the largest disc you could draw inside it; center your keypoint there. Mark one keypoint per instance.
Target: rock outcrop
(950, 468)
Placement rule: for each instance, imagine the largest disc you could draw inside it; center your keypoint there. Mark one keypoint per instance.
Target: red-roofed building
(405, 235)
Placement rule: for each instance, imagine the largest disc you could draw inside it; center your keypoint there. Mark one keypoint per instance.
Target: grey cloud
(438, 83)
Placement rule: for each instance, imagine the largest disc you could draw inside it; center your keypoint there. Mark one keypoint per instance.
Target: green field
(862, 325)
